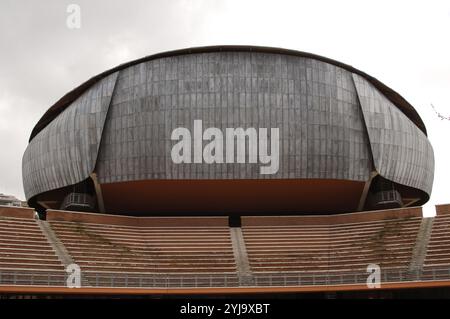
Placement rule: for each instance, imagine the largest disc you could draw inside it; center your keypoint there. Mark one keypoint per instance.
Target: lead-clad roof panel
(312, 103)
(65, 151)
(67, 99)
(401, 152)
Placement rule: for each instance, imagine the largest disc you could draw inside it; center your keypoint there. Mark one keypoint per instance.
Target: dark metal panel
(313, 103)
(67, 99)
(65, 151)
(401, 151)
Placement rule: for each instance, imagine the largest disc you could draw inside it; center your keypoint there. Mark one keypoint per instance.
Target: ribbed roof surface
(71, 96)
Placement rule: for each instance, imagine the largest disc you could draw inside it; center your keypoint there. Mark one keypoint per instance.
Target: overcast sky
(404, 44)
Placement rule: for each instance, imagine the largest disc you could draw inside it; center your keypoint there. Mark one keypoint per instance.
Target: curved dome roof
(338, 132)
(71, 96)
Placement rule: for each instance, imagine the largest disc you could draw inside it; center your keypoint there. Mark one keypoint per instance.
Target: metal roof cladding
(71, 96)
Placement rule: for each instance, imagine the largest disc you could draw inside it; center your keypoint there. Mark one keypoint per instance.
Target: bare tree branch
(442, 117)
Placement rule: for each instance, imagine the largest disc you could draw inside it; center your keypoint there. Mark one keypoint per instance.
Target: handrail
(215, 280)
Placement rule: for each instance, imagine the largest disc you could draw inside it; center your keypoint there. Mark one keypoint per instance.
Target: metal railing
(210, 280)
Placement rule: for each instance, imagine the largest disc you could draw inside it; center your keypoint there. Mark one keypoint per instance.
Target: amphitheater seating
(437, 261)
(26, 257)
(330, 244)
(120, 251)
(150, 250)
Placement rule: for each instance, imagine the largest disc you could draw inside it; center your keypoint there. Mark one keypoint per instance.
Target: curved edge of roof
(71, 96)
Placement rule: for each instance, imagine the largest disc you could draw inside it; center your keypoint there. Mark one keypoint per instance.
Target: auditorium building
(228, 170)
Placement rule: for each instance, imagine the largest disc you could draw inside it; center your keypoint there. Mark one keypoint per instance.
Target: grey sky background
(404, 44)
